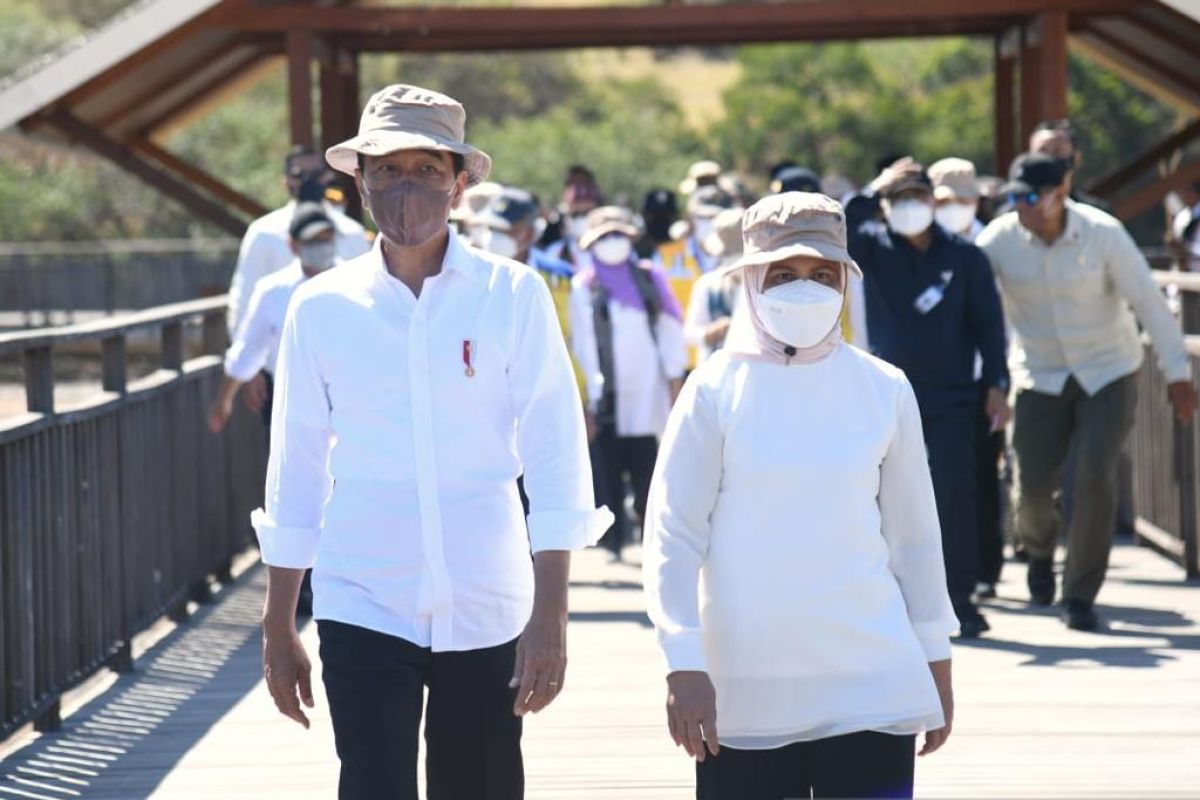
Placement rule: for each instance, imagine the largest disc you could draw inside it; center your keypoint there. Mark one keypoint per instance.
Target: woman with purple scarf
(627, 336)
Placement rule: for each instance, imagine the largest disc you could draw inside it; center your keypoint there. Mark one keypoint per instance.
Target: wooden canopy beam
(129, 160)
(1146, 160)
(653, 19)
(198, 177)
(216, 84)
(1155, 61)
(1150, 195)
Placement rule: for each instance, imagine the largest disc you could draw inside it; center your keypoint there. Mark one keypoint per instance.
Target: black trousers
(990, 495)
(375, 685)
(614, 457)
(857, 765)
(950, 439)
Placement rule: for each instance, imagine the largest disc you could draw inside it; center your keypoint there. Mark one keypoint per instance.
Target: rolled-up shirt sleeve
(913, 533)
(551, 439)
(1130, 273)
(298, 478)
(252, 344)
(678, 526)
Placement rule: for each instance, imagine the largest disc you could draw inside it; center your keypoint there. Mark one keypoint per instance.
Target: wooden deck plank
(1041, 710)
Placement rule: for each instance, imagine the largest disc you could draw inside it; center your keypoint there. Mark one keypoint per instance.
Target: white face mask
(576, 227)
(317, 256)
(801, 313)
(612, 250)
(955, 217)
(909, 217)
(498, 242)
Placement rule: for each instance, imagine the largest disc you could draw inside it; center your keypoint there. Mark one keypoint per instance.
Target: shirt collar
(458, 258)
(1073, 231)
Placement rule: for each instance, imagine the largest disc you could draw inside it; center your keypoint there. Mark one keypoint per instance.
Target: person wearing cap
(266, 247)
(1075, 286)
(627, 336)
(956, 197)
(255, 347)
(717, 295)
(956, 193)
(1056, 138)
(932, 306)
(795, 178)
(509, 226)
(659, 213)
(474, 201)
(700, 173)
(792, 564)
(581, 196)
(415, 384)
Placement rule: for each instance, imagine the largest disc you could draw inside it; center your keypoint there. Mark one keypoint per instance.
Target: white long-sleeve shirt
(699, 314)
(1071, 304)
(266, 248)
(793, 550)
(256, 344)
(643, 370)
(393, 472)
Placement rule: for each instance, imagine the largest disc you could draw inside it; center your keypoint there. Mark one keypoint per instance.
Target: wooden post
(215, 335)
(300, 101)
(1031, 81)
(1007, 50)
(172, 346)
(340, 111)
(112, 355)
(39, 380)
(49, 720)
(1054, 64)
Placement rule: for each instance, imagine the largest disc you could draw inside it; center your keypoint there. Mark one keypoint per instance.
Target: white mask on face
(801, 313)
(576, 227)
(317, 256)
(955, 217)
(909, 217)
(498, 242)
(612, 250)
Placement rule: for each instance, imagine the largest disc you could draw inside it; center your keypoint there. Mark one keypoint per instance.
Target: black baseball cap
(659, 201)
(796, 179)
(510, 207)
(309, 220)
(1033, 172)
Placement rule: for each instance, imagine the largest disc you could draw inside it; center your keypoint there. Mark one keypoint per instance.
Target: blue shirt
(937, 348)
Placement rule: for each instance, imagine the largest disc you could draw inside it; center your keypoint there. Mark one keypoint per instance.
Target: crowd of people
(801, 402)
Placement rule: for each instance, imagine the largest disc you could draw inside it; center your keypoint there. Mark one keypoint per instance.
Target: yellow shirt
(681, 269)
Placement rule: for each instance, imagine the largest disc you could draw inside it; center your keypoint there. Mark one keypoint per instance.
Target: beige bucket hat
(954, 179)
(794, 224)
(697, 173)
(605, 220)
(726, 237)
(402, 117)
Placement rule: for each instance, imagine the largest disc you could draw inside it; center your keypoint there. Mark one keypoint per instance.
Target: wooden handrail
(112, 326)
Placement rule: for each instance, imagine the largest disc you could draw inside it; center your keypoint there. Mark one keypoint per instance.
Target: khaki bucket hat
(605, 220)
(954, 179)
(726, 237)
(402, 117)
(794, 224)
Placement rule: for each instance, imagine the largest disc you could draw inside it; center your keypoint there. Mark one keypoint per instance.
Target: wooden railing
(115, 511)
(1164, 452)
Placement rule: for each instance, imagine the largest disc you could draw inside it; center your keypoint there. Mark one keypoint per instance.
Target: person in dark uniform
(931, 305)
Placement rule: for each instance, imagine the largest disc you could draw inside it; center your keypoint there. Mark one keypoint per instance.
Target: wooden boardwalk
(1042, 711)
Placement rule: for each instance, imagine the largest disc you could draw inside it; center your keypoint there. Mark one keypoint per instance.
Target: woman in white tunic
(793, 563)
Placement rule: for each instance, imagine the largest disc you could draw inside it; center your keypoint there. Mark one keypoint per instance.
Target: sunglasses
(1028, 198)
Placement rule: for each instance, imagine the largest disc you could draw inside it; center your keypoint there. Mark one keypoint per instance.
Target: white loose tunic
(793, 549)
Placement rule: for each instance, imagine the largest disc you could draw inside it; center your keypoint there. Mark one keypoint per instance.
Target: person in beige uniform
(1074, 286)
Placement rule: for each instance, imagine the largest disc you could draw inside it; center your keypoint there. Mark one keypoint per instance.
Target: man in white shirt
(415, 384)
(255, 347)
(1074, 286)
(265, 248)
